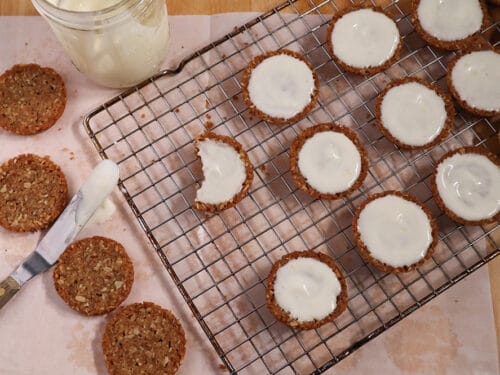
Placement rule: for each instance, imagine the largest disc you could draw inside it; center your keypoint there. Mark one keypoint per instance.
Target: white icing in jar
(281, 86)
(116, 43)
(450, 20)
(307, 289)
(469, 186)
(476, 78)
(330, 162)
(413, 113)
(223, 170)
(364, 38)
(395, 231)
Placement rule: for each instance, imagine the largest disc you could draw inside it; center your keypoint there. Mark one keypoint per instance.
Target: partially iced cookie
(327, 161)
(466, 185)
(305, 290)
(414, 114)
(473, 79)
(363, 40)
(280, 87)
(394, 231)
(227, 172)
(449, 24)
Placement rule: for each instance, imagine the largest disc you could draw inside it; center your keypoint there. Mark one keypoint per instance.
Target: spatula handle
(8, 288)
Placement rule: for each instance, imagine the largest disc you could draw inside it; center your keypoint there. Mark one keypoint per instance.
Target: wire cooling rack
(220, 262)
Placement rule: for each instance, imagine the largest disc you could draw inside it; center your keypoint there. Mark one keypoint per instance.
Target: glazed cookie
(473, 79)
(449, 24)
(32, 98)
(327, 161)
(33, 192)
(414, 114)
(280, 87)
(466, 185)
(227, 171)
(94, 275)
(305, 290)
(143, 339)
(394, 231)
(363, 40)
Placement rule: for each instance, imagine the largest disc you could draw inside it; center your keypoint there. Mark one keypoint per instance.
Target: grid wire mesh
(220, 262)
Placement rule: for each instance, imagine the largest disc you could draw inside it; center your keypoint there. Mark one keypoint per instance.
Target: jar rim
(85, 19)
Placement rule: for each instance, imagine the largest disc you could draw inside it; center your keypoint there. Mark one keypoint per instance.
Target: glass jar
(116, 43)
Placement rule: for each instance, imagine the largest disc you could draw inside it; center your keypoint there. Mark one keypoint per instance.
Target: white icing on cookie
(413, 113)
(469, 185)
(281, 86)
(476, 78)
(223, 169)
(395, 231)
(450, 20)
(364, 38)
(307, 289)
(330, 162)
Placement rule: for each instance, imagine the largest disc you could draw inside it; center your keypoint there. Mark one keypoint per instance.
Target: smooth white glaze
(450, 20)
(307, 289)
(469, 185)
(476, 78)
(281, 86)
(330, 162)
(223, 171)
(413, 113)
(364, 38)
(395, 231)
(96, 188)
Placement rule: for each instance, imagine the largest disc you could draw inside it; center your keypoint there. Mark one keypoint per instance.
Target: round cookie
(94, 275)
(327, 161)
(227, 170)
(143, 338)
(280, 87)
(394, 231)
(472, 78)
(414, 114)
(33, 192)
(449, 24)
(466, 185)
(363, 40)
(32, 98)
(292, 282)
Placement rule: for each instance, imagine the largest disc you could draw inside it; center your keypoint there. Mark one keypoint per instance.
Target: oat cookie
(143, 339)
(32, 99)
(227, 170)
(280, 87)
(94, 275)
(326, 296)
(33, 192)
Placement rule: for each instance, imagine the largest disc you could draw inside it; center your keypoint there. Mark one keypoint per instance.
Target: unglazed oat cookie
(227, 171)
(33, 192)
(327, 161)
(363, 40)
(394, 231)
(32, 98)
(473, 78)
(306, 289)
(94, 275)
(143, 339)
(466, 185)
(280, 87)
(414, 114)
(449, 24)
